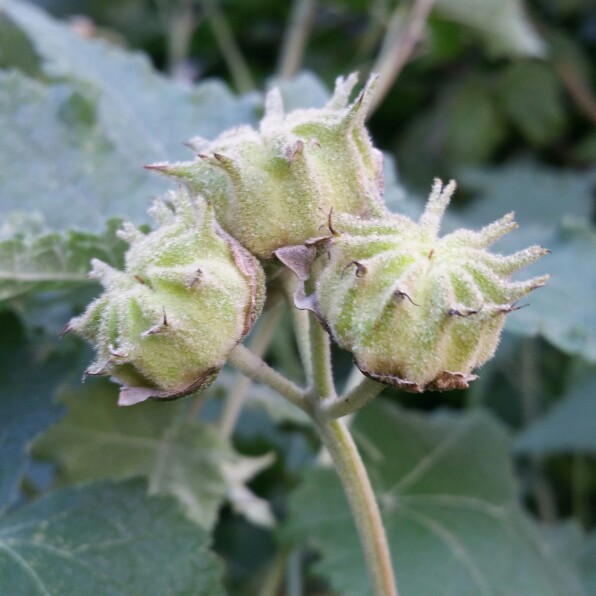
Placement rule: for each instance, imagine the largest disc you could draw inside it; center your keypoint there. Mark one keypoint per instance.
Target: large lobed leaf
(56, 159)
(178, 456)
(146, 115)
(105, 539)
(447, 498)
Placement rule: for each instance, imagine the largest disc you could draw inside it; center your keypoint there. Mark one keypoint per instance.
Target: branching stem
(365, 391)
(321, 404)
(321, 361)
(257, 369)
(258, 343)
(350, 469)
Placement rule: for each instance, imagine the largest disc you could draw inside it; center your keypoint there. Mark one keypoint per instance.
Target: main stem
(338, 441)
(352, 473)
(350, 468)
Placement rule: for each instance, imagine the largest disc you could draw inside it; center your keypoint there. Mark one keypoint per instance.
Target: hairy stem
(391, 62)
(321, 361)
(228, 47)
(258, 344)
(257, 369)
(350, 468)
(301, 324)
(357, 397)
(338, 441)
(363, 504)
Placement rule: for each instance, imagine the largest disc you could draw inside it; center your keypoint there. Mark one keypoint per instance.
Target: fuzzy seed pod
(419, 311)
(164, 327)
(276, 186)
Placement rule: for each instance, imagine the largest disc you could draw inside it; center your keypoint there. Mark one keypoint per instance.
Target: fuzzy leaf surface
(145, 114)
(180, 457)
(57, 161)
(447, 497)
(108, 539)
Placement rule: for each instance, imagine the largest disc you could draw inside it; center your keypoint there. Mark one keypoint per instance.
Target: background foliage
(489, 491)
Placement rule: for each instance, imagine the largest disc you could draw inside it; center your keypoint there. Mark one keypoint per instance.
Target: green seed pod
(419, 311)
(276, 186)
(164, 327)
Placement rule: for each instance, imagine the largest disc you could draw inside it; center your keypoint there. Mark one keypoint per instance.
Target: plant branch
(391, 62)
(363, 504)
(257, 369)
(577, 87)
(366, 390)
(295, 38)
(228, 47)
(258, 344)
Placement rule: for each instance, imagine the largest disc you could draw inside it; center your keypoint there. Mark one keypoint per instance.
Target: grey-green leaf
(568, 427)
(56, 160)
(145, 114)
(106, 539)
(179, 457)
(447, 498)
(563, 311)
(538, 194)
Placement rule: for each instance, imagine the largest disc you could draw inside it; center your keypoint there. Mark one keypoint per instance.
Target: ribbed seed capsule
(276, 186)
(419, 311)
(165, 326)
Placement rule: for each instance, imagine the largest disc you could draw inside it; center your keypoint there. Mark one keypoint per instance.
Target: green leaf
(144, 114)
(33, 259)
(502, 24)
(568, 427)
(105, 539)
(447, 497)
(29, 381)
(538, 194)
(178, 456)
(531, 95)
(56, 160)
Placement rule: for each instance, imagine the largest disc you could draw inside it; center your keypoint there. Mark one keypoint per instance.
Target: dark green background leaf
(447, 498)
(105, 539)
(97, 439)
(30, 379)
